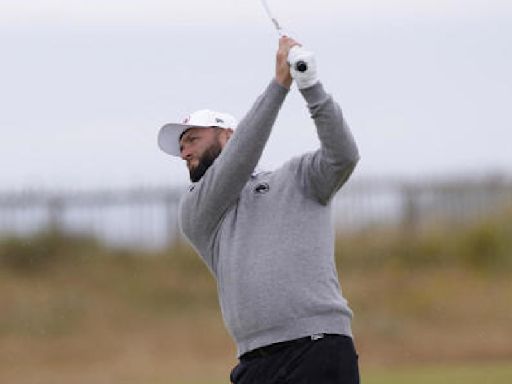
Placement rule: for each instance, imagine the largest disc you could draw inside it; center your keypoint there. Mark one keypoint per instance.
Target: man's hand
(283, 75)
(303, 67)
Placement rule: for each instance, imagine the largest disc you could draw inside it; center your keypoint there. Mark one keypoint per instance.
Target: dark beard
(205, 162)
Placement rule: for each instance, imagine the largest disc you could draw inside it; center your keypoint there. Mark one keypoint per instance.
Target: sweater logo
(262, 188)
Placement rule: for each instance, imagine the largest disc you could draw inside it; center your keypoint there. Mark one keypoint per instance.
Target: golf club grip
(301, 66)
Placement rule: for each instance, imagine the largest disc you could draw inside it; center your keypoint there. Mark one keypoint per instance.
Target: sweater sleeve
(207, 201)
(322, 173)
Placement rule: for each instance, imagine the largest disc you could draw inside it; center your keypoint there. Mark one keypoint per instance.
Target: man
(268, 237)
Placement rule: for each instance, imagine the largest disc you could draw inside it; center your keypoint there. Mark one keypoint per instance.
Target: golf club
(300, 65)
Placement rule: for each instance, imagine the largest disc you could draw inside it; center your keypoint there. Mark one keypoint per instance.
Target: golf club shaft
(272, 18)
(300, 66)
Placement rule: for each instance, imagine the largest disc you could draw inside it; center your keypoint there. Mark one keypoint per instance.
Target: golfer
(268, 237)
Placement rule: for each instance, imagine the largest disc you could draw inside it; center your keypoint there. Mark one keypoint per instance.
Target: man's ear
(225, 135)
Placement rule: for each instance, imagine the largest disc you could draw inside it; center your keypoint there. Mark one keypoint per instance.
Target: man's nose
(186, 154)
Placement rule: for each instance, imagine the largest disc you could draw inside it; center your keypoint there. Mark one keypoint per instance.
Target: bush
(43, 250)
(484, 245)
(487, 246)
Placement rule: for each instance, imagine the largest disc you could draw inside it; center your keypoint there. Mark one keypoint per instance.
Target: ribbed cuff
(314, 94)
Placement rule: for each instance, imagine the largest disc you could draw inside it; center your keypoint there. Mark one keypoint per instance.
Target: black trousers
(329, 360)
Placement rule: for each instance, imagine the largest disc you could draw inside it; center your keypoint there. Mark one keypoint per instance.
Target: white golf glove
(299, 58)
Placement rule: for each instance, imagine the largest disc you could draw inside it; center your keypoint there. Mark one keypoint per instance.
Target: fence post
(55, 213)
(410, 210)
(172, 220)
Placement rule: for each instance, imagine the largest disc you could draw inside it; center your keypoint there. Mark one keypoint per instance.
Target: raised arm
(220, 187)
(323, 172)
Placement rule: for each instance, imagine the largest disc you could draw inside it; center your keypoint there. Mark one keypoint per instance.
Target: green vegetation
(497, 373)
(482, 245)
(44, 249)
(430, 307)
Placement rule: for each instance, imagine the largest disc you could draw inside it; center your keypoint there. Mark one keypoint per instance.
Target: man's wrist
(314, 94)
(285, 82)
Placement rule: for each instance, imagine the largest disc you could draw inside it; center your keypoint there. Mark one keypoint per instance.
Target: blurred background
(96, 283)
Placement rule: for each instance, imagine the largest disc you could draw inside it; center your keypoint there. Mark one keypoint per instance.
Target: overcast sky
(426, 86)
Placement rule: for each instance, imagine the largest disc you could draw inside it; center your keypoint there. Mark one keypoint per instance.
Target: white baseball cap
(169, 135)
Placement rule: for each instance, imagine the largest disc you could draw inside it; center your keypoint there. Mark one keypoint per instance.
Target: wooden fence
(147, 218)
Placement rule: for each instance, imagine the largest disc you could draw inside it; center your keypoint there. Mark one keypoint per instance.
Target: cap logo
(186, 120)
(219, 120)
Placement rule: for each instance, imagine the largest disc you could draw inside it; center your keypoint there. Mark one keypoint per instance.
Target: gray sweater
(268, 238)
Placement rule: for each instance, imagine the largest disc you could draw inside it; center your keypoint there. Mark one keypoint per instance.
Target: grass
(494, 373)
(486, 373)
(434, 308)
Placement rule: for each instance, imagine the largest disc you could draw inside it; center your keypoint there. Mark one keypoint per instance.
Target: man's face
(200, 147)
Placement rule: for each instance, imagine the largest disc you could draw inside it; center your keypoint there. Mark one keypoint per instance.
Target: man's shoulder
(288, 168)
